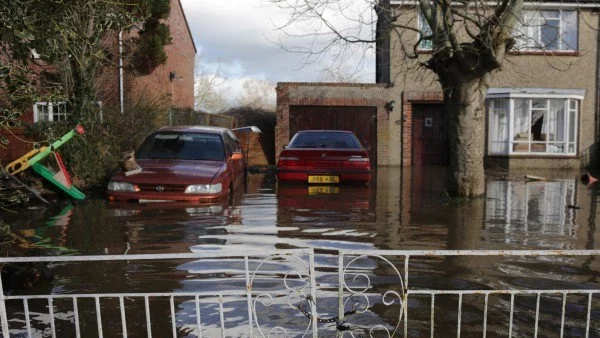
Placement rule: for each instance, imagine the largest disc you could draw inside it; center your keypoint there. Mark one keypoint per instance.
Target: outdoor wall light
(172, 76)
(390, 105)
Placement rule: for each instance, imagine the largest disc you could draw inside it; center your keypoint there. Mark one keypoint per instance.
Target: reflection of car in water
(344, 197)
(171, 209)
(195, 164)
(339, 217)
(324, 157)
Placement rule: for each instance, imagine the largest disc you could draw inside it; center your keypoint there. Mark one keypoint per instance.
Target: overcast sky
(238, 37)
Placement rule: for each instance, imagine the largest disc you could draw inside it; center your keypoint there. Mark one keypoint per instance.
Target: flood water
(403, 209)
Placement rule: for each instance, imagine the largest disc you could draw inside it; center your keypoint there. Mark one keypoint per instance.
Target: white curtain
(499, 127)
(521, 118)
(555, 125)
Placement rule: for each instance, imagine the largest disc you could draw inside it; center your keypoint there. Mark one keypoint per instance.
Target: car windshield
(182, 146)
(336, 140)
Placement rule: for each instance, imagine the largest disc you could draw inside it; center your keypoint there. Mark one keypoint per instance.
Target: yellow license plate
(323, 190)
(323, 179)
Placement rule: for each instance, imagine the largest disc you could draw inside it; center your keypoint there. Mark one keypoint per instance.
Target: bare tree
(468, 42)
(259, 94)
(209, 88)
(338, 75)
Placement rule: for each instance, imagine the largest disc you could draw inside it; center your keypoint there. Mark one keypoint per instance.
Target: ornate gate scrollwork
(359, 293)
(298, 288)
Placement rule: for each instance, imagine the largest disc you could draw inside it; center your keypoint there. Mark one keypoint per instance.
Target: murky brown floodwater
(403, 209)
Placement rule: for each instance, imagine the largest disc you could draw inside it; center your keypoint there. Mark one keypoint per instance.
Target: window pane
(499, 127)
(538, 120)
(554, 128)
(549, 35)
(550, 30)
(425, 31)
(325, 139)
(521, 126)
(569, 30)
(189, 146)
(572, 125)
(550, 15)
(539, 103)
(43, 112)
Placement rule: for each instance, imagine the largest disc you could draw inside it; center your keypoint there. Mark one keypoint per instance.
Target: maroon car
(190, 163)
(324, 157)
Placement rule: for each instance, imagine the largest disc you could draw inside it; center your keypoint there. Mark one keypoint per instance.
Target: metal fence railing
(298, 293)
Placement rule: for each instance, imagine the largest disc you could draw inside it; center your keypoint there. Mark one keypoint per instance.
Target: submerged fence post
(313, 292)
(3, 315)
(340, 289)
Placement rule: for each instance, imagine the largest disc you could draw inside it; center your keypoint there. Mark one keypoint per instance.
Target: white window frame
(569, 143)
(532, 24)
(37, 111)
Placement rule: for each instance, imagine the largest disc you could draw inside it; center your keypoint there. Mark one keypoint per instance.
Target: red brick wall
(256, 148)
(157, 87)
(179, 92)
(18, 145)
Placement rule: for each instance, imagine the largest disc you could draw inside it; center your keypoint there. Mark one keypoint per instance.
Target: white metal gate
(300, 292)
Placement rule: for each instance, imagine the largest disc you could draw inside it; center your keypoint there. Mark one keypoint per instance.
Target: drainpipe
(121, 98)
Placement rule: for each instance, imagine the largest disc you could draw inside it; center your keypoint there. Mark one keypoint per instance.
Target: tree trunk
(382, 35)
(465, 120)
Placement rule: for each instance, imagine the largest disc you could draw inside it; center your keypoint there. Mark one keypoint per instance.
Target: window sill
(424, 51)
(545, 53)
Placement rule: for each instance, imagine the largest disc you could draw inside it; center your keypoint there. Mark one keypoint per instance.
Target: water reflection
(531, 213)
(402, 209)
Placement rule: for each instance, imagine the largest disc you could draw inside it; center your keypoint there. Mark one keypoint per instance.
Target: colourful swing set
(60, 179)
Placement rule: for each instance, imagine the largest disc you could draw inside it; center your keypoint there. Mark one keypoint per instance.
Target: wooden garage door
(428, 135)
(360, 120)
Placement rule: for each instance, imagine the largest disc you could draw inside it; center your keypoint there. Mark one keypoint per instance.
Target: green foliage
(93, 157)
(150, 53)
(72, 37)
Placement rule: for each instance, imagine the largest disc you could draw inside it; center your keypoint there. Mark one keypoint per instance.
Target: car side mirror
(237, 156)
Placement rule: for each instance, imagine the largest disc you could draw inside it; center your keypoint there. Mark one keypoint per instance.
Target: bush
(93, 157)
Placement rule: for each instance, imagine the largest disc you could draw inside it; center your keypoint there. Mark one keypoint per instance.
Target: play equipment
(60, 179)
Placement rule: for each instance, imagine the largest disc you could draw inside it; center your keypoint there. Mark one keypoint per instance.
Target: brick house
(542, 108)
(168, 86)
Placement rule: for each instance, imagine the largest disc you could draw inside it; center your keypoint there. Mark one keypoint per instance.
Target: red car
(191, 163)
(324, 157)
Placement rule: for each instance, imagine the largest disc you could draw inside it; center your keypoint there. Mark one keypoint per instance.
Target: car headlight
(120, 186)
(204, 188)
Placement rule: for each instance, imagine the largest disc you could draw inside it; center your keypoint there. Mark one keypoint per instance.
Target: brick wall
(169, 85)
(18, 145)
(255, 147)
(178, 92)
